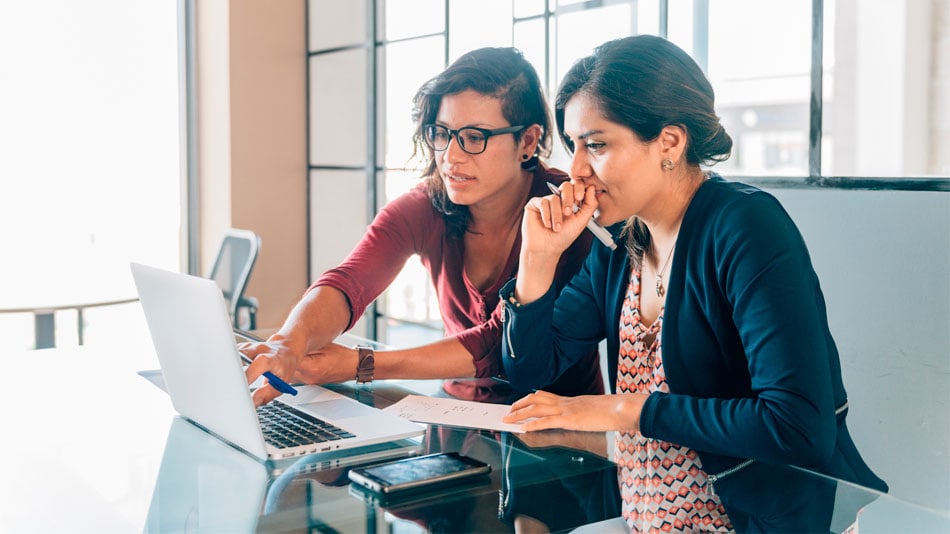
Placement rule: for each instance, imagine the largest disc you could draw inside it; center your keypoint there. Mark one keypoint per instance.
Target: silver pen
(599, 231)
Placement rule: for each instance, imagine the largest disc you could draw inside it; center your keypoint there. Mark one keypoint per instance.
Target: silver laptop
(205, 379)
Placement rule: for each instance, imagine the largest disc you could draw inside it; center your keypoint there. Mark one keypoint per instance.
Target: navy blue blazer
(751, 365)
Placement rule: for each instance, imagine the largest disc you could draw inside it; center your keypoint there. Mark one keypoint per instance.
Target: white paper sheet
(453, 412)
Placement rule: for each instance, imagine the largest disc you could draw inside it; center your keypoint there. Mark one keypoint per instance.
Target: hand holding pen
(548, 229)
(272, 379)
(599, 231)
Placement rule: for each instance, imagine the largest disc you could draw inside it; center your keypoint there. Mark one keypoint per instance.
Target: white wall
(883, 258)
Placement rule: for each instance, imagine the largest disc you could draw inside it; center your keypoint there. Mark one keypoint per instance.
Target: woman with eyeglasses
(723, 368)
(483, 126)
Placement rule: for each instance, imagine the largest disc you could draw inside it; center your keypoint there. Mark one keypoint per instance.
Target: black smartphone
(418, 472)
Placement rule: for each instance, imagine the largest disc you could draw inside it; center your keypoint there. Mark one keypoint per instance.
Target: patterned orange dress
(662, 484)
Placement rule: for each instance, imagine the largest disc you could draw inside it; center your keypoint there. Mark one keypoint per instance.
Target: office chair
(232, 270)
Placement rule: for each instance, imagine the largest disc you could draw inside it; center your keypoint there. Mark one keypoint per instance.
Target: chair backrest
(232, 268)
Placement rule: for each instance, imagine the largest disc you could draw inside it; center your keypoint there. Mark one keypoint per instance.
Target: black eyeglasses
(470, 139)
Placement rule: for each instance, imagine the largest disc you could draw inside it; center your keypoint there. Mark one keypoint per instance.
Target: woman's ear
(530, 137)
(673, 142)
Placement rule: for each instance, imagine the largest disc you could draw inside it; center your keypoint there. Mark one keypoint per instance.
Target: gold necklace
(660, 290)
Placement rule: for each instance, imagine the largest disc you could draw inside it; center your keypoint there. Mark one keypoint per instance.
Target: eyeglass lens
(471, 140)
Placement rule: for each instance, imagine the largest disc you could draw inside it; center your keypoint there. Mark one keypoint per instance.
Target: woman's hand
(331, 364)
(597, 413)
(548, 228)
(279, 356)
(550, 225)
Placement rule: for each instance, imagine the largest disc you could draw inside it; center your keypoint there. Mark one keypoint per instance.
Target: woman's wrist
(628, 409)
(534, 278)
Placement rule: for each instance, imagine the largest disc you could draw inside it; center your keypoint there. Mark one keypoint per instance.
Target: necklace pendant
(659, 286)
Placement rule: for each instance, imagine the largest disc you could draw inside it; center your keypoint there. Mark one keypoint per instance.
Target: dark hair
(646, 83)
(501, 73)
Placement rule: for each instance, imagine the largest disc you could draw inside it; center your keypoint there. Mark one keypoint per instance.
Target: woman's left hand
(593, 413)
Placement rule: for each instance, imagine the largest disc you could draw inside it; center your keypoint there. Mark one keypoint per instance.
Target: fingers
(588, 201)
(545, 423)
(538, 404)
(547, 208)
(253, 349)
(542, 411)
(538, 417)
(537, 396)
(534, 410)
(579, 189)
(556, 211)
(265, 394)
(255, 369)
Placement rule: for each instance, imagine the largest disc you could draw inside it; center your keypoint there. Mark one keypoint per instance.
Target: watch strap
(365, 364)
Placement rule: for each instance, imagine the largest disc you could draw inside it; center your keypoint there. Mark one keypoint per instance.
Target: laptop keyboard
(285, 426)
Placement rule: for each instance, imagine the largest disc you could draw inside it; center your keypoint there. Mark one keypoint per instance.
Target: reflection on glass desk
(91, 446)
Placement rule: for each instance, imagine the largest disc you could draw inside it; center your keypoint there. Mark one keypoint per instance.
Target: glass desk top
(92, 446)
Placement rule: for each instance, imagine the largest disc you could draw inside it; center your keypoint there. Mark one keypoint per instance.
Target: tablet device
(418, 472)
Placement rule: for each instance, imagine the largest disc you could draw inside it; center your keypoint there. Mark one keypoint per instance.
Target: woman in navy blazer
(721, 362)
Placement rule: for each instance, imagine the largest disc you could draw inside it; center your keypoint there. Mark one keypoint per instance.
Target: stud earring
(525, 157)
(667, 164)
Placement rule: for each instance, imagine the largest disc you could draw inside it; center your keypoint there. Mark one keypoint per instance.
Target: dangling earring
(667, 164)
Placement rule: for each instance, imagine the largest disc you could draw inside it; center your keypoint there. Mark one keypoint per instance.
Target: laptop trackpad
(335, 409)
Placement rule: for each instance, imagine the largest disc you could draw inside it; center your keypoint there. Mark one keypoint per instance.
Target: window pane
(529, 38)
(412, 18)
(348, 219)
(528, 8)
(346, 27)
(648, 17)
(338, 111)
(574, 39)
(881, 81)
(680, 24)
(476, 24)
(406, 65)
(761, 75)
(411, 296)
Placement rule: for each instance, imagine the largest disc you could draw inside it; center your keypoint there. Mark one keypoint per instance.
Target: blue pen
(272, 379)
